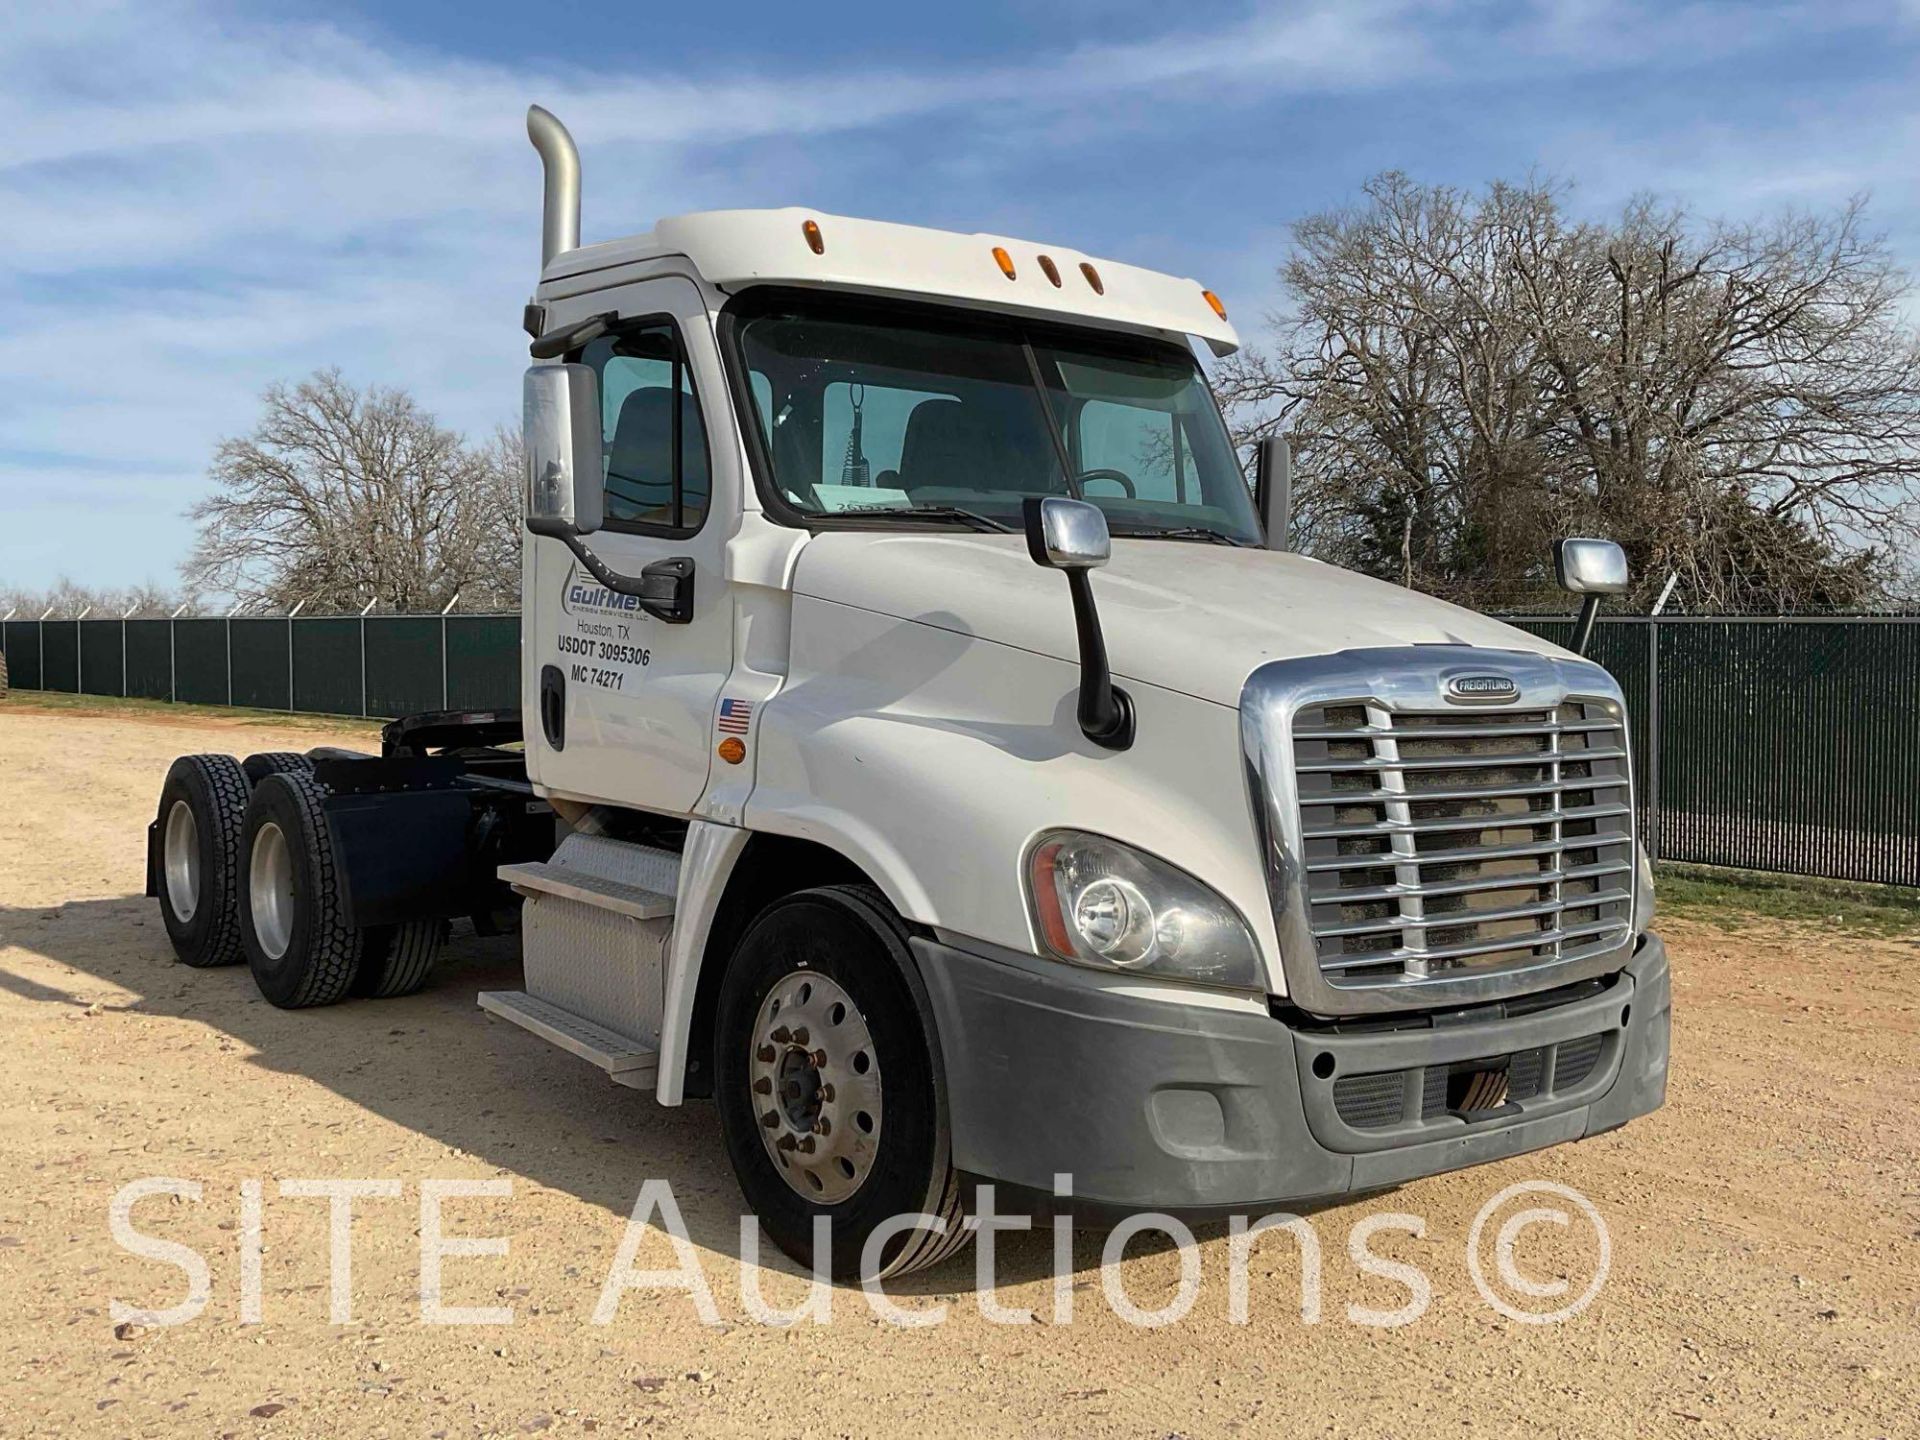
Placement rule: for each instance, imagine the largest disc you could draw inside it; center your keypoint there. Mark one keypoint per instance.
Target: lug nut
(770, 1119)
(819, 1058)
(781, 1036)
(799, 1034)
(787, 1142)
(826, 1093)
(823, 1126)
(765, 1054)
(805, 1147)
(763, 1086)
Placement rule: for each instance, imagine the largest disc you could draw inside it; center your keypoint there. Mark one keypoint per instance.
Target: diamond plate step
(627, 1062)
(573, 883)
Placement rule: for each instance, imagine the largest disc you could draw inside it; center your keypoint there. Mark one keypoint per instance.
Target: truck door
(638, 693)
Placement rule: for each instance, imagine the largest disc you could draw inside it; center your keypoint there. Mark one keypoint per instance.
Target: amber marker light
(1093, 278)
(816, 242)
(1214, 300)
(1050, 270)
(732, 750)
(1003, 260)
(1046, 894)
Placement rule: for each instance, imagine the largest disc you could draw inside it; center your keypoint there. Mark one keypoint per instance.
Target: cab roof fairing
(734, 249)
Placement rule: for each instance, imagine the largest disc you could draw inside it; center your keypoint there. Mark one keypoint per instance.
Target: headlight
(1103, 904)
(1642, 889)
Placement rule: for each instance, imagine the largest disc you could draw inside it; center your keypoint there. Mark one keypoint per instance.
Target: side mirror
(1273, 490)
(1589, 569)
(1067, 534)
(1071, 536)
(561, 417)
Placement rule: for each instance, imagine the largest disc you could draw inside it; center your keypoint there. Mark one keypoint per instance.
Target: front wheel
(828, 1084)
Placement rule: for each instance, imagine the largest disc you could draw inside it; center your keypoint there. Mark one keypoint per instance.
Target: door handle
(553, 706)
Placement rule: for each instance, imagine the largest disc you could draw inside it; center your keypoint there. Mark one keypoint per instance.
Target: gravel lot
(1765, 1226)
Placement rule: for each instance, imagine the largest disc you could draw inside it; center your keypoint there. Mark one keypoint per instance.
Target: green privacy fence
(375, 665)
(1768, 744)
(1789, 745)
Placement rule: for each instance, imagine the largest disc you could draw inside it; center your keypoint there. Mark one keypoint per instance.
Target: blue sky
(197, 199)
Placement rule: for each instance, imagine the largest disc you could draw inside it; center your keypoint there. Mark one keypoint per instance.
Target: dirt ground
(1765, 1226)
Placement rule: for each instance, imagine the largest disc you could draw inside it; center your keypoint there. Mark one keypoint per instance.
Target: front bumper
(1151, 1105)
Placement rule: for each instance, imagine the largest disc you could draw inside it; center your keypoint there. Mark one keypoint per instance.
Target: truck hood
(1194, 618)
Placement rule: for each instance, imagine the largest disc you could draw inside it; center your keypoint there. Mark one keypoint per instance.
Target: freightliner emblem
(1481, 689)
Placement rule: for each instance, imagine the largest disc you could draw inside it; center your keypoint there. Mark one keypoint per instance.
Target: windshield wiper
(1182, 532)
(972, 518)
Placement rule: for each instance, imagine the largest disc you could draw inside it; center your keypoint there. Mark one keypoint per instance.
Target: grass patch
(1727, 897)
(54, 702)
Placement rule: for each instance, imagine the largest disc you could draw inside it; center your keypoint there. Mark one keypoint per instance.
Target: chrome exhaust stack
(560, 202)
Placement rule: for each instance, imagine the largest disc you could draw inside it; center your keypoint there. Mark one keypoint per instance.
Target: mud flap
(403, 855)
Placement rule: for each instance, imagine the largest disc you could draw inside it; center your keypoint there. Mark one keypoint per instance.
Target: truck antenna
(560, 203)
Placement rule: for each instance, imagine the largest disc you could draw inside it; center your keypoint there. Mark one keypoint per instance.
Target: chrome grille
(1441, 843)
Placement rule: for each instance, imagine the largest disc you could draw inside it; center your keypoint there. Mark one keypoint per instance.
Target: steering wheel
(1119, 477)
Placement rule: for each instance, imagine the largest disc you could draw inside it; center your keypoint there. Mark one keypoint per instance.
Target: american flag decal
(735, 716)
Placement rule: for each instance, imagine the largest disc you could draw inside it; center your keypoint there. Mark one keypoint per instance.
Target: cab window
(872, 412)
(653, 444)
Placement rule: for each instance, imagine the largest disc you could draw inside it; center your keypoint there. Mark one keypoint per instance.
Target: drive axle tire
(275, 762)
(829, 1084)
(396, 959)
(203, 805)
(297, 939)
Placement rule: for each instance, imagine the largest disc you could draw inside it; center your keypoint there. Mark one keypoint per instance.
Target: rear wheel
(396, 959)
(275, 762)
(830, 1093)
(297, 940)
(203, 805)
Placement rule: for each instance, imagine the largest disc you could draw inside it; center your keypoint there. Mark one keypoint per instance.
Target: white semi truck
(846, 794)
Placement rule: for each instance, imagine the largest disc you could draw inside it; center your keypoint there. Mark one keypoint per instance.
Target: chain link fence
(1788, 745)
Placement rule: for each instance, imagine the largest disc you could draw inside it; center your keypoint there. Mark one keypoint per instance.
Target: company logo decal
(1470, 689)
(581, 594)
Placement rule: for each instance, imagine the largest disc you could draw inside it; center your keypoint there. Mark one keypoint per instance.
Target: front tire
(298, 943)
(829, 1086)
(203, 806)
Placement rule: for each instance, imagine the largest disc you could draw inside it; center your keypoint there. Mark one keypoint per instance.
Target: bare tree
(503, 470)
(1471, 376)
(66, 600)
(343, 496)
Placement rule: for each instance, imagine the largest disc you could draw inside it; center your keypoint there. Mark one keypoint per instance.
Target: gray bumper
(1176, 1107)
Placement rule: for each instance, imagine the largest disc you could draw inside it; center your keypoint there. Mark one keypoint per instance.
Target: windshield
(934, 418)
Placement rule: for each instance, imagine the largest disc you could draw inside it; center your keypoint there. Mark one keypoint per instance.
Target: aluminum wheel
(816, 1087)
(270, 889)
(180, 856)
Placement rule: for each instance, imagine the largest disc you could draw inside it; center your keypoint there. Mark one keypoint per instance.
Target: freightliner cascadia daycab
(930, 753)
